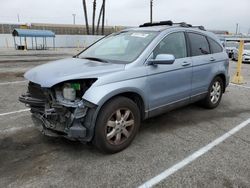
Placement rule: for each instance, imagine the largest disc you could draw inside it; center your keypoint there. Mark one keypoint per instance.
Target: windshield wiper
(96, 59)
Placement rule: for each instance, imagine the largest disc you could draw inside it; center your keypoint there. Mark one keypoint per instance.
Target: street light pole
(74, 18)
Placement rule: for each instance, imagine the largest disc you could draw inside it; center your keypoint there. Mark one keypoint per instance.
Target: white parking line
(8, 83)
(157, 179)
(236, 85)
(14, 112)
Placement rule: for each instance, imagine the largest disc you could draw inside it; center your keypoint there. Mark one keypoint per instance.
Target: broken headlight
(70, 91)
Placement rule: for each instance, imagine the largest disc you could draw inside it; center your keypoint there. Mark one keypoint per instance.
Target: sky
(213, 14)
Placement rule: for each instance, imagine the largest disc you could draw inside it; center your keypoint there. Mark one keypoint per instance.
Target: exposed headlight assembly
(69, 91)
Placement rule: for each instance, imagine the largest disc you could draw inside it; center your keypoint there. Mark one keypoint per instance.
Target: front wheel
(214, 95)
(117, 124)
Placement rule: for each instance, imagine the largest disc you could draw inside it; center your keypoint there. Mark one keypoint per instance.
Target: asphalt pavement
(29, 159)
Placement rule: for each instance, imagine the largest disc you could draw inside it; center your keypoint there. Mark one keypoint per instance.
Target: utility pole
(151, 11)
(18, 18)
(86, 15)
(103, 16)
(74, 18)
(93, 20)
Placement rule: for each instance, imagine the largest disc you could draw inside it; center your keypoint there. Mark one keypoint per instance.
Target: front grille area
(35, 98)
(35, 91)
(50, 116)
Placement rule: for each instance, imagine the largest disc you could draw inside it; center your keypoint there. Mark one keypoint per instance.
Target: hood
(55, 72)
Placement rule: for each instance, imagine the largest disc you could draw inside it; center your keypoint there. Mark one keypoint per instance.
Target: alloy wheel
(119, 126)
(215, 92)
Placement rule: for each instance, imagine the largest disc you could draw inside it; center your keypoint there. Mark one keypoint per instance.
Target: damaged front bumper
(58, 117)
(75, 132)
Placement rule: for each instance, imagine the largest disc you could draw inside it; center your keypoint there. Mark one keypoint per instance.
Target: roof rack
(170, 23)
(200, 27)
(149, 24)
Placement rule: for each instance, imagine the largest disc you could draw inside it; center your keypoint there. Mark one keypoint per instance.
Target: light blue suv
(102, 94)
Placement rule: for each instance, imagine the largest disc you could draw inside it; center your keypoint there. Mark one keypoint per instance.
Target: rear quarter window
(214, 46)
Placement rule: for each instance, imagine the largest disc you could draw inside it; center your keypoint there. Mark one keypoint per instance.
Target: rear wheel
(117, 125)
(214, 95)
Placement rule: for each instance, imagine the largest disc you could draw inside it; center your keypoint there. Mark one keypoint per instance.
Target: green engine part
(76, 86)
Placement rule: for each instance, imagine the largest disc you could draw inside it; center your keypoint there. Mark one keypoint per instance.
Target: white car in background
(231, 47)
(245, 54)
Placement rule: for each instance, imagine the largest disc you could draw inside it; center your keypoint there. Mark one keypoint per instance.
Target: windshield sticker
(141, 35)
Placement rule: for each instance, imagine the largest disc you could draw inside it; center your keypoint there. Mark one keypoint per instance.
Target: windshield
(123, 48)
(232, 44)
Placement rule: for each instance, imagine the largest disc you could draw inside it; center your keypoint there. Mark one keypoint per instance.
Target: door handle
(212, 59)
(185, 64)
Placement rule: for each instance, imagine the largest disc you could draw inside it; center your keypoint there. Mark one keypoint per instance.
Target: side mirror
(162, 59)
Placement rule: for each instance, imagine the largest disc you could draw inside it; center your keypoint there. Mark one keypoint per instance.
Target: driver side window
(174, 44)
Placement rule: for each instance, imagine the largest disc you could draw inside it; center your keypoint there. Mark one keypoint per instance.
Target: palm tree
(86, 15)
(101, 16)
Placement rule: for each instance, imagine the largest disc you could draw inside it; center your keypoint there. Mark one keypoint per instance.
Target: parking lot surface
(29, 159)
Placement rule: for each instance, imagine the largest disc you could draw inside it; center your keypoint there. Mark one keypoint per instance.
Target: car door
(169, 85)
(202, 63)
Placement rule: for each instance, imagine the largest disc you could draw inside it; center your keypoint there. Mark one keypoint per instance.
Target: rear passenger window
(199, 44)
(214, 46)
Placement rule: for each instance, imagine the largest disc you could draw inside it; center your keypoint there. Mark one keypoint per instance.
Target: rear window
(214, 46)
(199, 44)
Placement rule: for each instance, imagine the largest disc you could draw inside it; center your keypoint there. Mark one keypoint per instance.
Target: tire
(116, 126)
(233, 57)
(214, 95)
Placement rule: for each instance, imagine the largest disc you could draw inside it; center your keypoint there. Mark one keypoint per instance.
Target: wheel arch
(131, 94)
(223, 77)
(135, 97)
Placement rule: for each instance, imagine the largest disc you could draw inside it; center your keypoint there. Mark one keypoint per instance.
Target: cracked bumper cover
(71, 124)
(75, 132)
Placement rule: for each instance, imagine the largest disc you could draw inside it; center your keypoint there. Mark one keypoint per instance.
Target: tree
(85, 15)
(101, 17)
